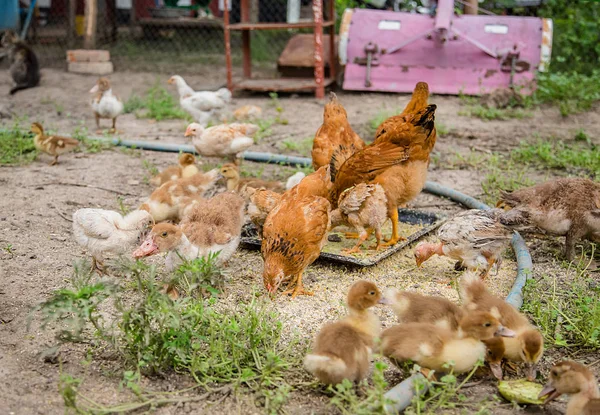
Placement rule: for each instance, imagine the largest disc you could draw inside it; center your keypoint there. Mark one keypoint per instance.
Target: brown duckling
(231, 172)
(475, 238)
(433, 347)
(342, 349)
(494, 354)
(575, 379)
(411, 307)
(52, 144)
(528, 344)
(567, 207)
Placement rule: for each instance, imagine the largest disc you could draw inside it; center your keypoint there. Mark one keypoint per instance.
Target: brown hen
(335, 141)
(397, 161)
(295, 231)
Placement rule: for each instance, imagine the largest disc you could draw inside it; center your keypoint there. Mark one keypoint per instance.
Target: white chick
(201, 105)
(105, 231)
(226, 140)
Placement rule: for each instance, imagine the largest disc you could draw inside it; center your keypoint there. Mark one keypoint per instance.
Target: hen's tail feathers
(419, 98)
(471, 287)
(331, 367)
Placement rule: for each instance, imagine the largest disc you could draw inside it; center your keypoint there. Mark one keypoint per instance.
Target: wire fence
(160, 35)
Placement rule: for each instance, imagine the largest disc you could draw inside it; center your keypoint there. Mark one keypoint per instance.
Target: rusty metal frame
(246, 27)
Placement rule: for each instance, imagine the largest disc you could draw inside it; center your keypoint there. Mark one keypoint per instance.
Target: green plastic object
(521, 391)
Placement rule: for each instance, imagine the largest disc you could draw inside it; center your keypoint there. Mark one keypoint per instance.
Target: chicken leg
(379, 238)
(55, 161)
(394, 238)
(296, 287)
(362, 237)
(356, 235)
(97, 266)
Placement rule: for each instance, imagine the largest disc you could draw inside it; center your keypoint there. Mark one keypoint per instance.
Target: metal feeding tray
(414, 223)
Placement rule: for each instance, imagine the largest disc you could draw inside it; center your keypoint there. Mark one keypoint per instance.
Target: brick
(94, 68)
(83, 55)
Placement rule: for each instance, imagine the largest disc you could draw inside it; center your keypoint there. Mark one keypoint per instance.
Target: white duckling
(226, 140)
(105, 231)
(105, 104)
(201, 105)
(209, 226)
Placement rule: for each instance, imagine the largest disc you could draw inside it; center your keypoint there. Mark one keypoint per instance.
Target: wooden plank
(91, 23)
(181, 22)
(71, 31)
(279, 84)
(273, 26)
(83, 55)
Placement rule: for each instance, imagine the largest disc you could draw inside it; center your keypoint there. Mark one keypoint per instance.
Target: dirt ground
(35, 198)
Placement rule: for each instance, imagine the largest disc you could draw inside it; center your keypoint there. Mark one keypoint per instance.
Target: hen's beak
(504, 332)
(496, 369)
(147, 248)
(549, 392)
(94, 89)
(171, 81)
(188, 133)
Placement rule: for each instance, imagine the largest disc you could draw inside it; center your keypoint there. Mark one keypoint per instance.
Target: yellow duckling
(53, 144)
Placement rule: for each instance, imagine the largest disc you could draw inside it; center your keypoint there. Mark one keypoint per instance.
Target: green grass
(16, 146)
(153, 334)
(581, 158)
(490, 113)
(571, 92)
(81, 133)
(380, 117)
(567, 310)
(302, 146)
(157, 104)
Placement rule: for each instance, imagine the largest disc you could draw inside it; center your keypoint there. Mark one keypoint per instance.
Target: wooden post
(254, 11)
(71, 31)
(91, 23)
(227, 45)
(472, 7)
(132, 14)
(332, 54)
(246, 54)
(319, 65)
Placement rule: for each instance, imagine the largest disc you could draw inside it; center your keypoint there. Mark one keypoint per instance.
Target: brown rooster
(295, 231)
(335, 141)
(397, 161)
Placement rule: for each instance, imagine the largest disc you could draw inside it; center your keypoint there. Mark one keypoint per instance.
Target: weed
(380, 117)
(68, 387)
(16, 146)
(9, 250)
(441, 129)
(346, 400)
(491, 113)
(199, 275)
(150, 167)
(503, 174)
(77, 307)
(443, 395)
(122, 206)
(567, 313)
(581, 135)
(264, 129)
(558, 155)
(302, 146)
(572, 92)
(81, 133)
(158, 104)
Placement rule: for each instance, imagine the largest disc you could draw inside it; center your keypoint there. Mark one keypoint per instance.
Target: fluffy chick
(364, 207)
(528, 344)
(342, 349)
(568, 377)
(105, 104)
(52, 144)
(105, 231)
(185, 168)
(164, 203)
(567, 207)
(235, 183)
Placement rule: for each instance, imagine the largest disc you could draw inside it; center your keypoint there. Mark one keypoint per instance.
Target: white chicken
(294, 180)
(226, 140)
(201, 105)
(105, 231)
(105, 104)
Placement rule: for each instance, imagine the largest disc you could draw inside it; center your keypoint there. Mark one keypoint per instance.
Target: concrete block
(93, 68)
(83, 55)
